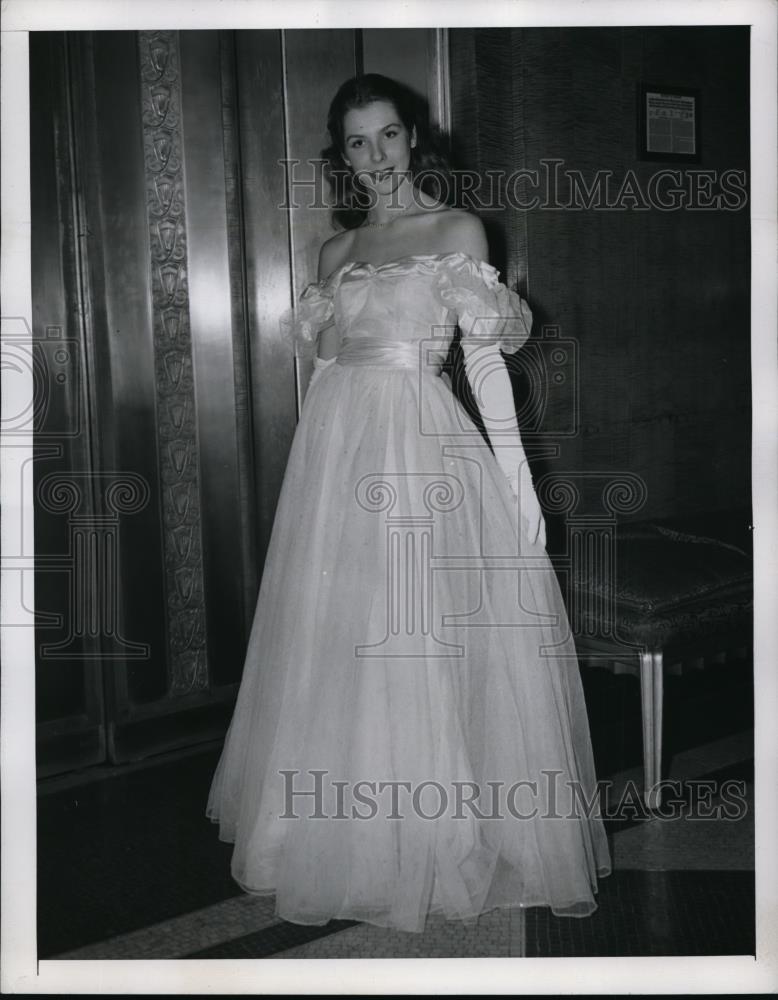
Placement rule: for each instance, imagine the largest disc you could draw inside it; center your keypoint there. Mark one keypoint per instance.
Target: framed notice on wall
(668, 123)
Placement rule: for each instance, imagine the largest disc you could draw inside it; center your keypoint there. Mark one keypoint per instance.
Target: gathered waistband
(388, 354)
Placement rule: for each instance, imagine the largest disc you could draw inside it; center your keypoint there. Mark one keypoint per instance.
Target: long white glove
(491, 386)
(319, 366)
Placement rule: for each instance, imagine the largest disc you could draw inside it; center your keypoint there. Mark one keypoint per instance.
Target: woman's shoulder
(444, 215)
(464, 231)
(334, 252)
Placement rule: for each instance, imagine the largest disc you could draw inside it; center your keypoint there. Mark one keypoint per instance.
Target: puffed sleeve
(314, 312)
(486, 309)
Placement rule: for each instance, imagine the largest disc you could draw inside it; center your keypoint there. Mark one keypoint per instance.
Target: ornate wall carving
(177, 445)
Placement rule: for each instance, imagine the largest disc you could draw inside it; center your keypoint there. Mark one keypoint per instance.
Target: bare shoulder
(466, 232)
(334, 252)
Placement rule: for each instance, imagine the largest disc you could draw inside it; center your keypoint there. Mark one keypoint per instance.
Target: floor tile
(175, 938)
(498, 934)
(654, 913)
(688, 844)
(268, 943)
(120, 854)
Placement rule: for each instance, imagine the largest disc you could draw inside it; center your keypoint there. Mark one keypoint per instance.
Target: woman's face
(377, 145)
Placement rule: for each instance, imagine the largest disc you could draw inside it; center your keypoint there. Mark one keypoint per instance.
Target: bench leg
(651, 691)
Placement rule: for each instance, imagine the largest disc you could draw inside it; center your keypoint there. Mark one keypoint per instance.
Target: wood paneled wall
(165, 248)
(656, 303)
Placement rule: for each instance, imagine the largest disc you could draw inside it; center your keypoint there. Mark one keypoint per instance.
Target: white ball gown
(410, 660)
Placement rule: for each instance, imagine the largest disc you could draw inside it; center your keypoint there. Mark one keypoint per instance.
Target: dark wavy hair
(429, 168)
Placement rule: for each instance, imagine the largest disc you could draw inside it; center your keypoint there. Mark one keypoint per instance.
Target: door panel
(69, 693)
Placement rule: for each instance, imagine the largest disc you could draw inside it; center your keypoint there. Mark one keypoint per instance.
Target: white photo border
(21, 972)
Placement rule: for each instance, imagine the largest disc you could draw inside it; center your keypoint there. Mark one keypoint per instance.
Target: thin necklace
(380, 225)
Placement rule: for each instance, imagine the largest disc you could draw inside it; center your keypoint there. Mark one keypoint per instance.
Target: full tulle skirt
(410, 735)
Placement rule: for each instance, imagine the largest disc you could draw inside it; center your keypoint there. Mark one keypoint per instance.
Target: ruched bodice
(411, 298)
(391, 301)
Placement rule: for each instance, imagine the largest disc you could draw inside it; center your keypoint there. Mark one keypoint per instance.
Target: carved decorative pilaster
(177, 445)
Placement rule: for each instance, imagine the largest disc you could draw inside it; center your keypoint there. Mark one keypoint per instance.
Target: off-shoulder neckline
(407, 257)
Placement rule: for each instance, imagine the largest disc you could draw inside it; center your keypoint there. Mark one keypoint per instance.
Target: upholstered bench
(668, 596)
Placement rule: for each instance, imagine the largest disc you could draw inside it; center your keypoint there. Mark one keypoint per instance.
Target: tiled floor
(499, 934)
(655, 913)
(127, 870)
(119, 854)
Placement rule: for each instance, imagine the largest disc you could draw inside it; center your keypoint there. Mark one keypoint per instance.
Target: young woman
(410, 735)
